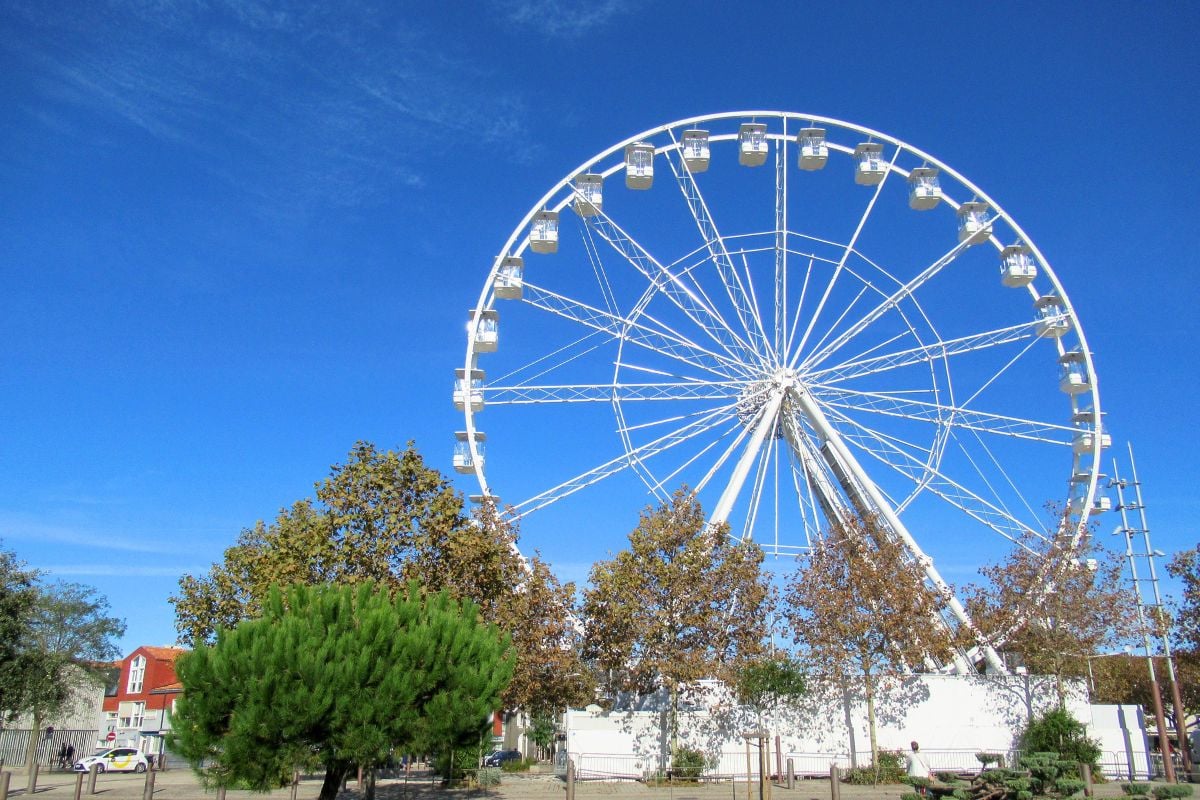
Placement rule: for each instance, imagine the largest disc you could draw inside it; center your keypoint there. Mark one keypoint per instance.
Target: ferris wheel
(798, 318)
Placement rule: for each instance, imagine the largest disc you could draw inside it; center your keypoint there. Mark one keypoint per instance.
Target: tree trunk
(869, 684)
(333, 779)
(369, 780)
(35, 739)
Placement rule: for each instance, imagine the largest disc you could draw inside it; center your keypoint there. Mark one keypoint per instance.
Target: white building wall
(952, 717)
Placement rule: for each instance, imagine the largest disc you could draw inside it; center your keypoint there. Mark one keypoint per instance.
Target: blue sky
(236, 237)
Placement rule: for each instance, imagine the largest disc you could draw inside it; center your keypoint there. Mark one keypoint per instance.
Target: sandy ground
(181, 784)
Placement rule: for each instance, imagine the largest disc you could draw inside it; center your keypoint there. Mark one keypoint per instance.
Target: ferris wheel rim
(517, 244)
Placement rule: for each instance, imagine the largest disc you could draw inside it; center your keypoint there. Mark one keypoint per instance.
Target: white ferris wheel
(800, 319)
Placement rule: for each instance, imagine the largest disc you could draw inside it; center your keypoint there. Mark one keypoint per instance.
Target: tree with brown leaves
(862, 613)
(387, 517)
(684, 602)
(1055, 603)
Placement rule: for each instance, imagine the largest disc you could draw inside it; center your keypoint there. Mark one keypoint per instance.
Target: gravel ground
(181, 784)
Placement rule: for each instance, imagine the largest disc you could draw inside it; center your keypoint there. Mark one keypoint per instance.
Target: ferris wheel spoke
(890, 404)
(743, 304)
(837, 271)
(524, 394)
(781, 249)
(672, 287)
(627, 460)
(630, 330)
(821, 350)
(925, 353)
(919, 472)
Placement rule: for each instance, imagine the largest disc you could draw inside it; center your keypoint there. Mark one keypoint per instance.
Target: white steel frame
(783, 376)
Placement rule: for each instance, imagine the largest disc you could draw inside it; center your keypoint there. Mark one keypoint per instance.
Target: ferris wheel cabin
(1016, 266)
(695, 150)
(1053, 321)
(487, 332)
(752, 144)
(1078, 497)
(814, 151)
(464, 462)
(639, 165)
(543, 232)
(973, 225)
(589, 194)
(1086, 434)
(869, 166)
(1073, 374)
(464, 388)
(510, 278)
(924, 189)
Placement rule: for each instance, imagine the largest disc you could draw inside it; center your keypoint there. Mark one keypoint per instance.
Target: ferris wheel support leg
(875, 499)
(768, 418)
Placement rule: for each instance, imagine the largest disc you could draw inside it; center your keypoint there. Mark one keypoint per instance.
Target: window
(137, 675)
(131, 714)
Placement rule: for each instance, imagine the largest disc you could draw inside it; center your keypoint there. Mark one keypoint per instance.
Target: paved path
(181, 784)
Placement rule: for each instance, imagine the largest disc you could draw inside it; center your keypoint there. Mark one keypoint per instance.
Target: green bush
(518, 765)
(1135, 788)
(1025, 795)
(891, 770)
(1069, 786)
(960, 794)
(488, 776)
(1058, 732)
(910, 796)
(687, 764)
(1169, 791)
(947, 777)
(990, 758)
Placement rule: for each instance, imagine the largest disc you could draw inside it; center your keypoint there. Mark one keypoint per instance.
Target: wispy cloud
(561, 18)
(87, 536)
(115, 570)
(316, 106)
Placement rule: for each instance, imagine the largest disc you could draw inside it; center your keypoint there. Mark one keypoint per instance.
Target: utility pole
(1156, 607)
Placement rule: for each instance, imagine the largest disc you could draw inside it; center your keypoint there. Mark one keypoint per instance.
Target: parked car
(118, 759)
(500, 757)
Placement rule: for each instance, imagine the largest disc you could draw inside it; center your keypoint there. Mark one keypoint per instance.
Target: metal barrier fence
(14, 743)
(731, 765)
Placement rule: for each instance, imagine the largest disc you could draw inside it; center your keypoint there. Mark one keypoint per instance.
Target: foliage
(1126, 679)
(518, 765)
(1139, 789)
(775, 679)
(1169, 791)
(1185, 567)
(688, 764)
(489, 776)
(684, 602)
(1058, 732)
(1054, 603)
(385, 516)
(69, 630)
(860, 610)
(887, 767)
(340, 674)
(990, 758)
(18, 594)
(541, 730)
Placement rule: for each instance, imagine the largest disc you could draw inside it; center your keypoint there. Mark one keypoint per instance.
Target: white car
(118, 759)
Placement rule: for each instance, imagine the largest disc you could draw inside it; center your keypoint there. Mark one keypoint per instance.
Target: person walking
(918, 767)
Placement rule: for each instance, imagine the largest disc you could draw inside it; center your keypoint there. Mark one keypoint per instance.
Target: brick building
(137, 706)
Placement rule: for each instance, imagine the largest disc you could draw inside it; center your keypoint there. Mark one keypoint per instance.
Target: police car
(118, 759)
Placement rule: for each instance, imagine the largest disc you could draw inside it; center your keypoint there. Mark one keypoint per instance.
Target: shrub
(1135, 788)
(947, 777)
(488, 776)
(990, 758)
(960, 794)
(687, 764)
(891, 770)
(1058, 732)
(1169, 791)
(518, 765)
(910, 796)
(1069, 786)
